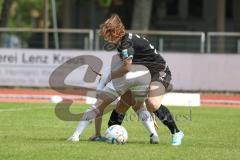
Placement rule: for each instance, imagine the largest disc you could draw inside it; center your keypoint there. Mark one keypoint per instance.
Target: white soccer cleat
(73, 139)
(154, 139)
(177, 138)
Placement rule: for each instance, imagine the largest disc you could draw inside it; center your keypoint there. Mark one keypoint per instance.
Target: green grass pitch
(32, 131)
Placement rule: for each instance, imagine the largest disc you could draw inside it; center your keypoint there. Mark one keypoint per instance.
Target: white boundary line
(221, 101)
(26, 96)
(23, 109)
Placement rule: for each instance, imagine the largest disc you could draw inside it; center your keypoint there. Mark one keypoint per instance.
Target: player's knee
(138, 105)
(122, 108)
(152, 104)
(90, 114)
(126, 102)
(127, 99)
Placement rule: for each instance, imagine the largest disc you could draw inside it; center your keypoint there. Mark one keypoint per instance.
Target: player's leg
(104, 99)
(116, 117)
(154, 104)
(146, 119)
(139, 87)
(140, 93)
(97, 136)
(98, 121)
(118, 114)
(123, 105)
(154, 101)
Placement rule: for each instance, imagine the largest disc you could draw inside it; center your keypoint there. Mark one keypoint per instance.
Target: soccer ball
(56, 99)
(116, 134)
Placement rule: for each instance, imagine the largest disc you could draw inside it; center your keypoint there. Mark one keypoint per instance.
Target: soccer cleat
(177, 138)
(73, 139)
(98, 138)
(154, 139)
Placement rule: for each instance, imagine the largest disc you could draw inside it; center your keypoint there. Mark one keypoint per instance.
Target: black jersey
(142, 52)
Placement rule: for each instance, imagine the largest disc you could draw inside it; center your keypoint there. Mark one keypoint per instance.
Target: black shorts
(164, 77)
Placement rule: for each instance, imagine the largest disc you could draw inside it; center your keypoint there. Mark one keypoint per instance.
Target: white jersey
(137, 80)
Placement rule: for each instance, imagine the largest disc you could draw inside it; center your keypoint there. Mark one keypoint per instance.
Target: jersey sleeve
(125, 48)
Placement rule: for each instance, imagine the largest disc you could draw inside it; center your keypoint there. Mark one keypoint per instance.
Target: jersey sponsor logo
(130, 36)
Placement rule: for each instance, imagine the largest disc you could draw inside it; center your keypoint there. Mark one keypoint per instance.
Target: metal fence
(168, 41)
(46, 38)
(223, 42)
(87, 39)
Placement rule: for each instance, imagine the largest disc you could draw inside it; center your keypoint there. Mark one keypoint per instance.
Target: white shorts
(137, 81)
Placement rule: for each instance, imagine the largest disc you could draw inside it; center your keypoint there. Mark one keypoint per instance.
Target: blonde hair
(112, 29)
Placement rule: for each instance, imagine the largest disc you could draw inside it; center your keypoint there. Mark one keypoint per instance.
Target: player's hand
(108, 80)
(100, 79)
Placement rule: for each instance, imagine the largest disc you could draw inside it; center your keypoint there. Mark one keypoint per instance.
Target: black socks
(115, 118)
(166, 118)
(162, 113)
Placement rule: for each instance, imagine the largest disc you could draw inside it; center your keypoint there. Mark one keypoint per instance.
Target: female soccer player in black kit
(142, 52)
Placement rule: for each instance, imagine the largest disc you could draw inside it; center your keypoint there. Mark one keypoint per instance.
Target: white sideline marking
(48, 97)
(182, 99)
(170, 99)
(221, 101)
(22, 109)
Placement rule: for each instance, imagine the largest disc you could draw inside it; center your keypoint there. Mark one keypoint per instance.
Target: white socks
(89, 115)
(146, 119)
(82, 125)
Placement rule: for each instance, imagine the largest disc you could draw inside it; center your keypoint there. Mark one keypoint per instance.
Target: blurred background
(178, 25)
(200, 39)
